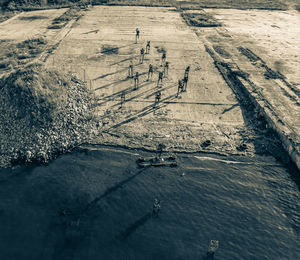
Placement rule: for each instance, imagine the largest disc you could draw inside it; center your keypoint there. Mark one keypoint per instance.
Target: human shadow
(230, 108)
(145, 111)
(132, 228)
(110, 190)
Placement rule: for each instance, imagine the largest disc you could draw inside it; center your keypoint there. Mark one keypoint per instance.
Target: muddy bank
(42, 113)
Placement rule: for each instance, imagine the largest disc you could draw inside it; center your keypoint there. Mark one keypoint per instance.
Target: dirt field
(265, 45)
(206, 111)
(28, 25)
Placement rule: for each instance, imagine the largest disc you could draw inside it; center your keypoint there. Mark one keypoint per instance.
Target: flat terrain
(270, 38)
(271, 35)
(206, 111)
(29, 25)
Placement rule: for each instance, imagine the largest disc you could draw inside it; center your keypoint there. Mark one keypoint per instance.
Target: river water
(96, 204)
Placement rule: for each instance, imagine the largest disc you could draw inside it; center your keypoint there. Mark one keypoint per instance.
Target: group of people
(182, 83)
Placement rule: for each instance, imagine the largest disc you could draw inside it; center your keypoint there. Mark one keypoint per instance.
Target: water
(251, 205)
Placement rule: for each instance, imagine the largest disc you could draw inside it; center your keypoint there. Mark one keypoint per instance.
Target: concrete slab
(208, 100)
(270, 37)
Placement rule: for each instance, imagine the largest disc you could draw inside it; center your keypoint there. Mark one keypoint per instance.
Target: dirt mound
(42, 113)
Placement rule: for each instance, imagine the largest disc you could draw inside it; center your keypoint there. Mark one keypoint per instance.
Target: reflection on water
(96, 204)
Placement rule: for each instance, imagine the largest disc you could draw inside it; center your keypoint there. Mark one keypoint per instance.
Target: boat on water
(156, 161)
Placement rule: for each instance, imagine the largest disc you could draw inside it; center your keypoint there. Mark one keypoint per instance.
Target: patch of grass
(235, 4)
(61, 21)
(197, 5)
(15, 54)
(32, 17)
(107, 49)
(200, 20)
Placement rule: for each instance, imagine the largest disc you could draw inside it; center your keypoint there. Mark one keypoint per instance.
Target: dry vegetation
(200, 20)
(61, 21)
(197, 4)
(13, 55)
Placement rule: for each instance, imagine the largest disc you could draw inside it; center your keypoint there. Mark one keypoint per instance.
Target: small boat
(168, 160)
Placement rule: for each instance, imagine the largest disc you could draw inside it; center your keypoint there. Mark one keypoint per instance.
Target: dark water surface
(251, 205)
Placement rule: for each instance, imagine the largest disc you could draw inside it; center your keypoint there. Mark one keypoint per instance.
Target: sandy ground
(206, 111)
(272, 36)
(18, 28)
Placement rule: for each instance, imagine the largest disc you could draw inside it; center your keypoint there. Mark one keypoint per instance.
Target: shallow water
(251, 205)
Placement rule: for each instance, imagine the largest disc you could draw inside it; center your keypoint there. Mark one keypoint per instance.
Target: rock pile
(42, 113)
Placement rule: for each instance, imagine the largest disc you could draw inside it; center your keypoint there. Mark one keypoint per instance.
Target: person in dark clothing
(156, 207)
(150, 71)
(122, 98)
(166, 68)
(137, 35)
(142, 56)
(130, 70)
(160, 77)
(148, 47)
(187, 70)
(163, 57)
(157, 97)
(136, 81)
(185, 81)
(180, 88)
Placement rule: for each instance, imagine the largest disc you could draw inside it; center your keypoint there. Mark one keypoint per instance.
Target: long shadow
(109, 74)
(93, 31)
(145, 111)
(110, 190)
(134, 227)
(230, 108)
(110, 84)
(116, 82)
(109, 97)
(142, 94)
(146, 83)
(127, 59)
(160, 89)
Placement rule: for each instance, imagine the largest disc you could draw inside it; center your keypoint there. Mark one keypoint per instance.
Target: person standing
(185, 81)
(160, 77)
(157, 98)
(163, 57)
(122, 98)
(137, 35)
(156, 207)
(150, 72)
(142, 56)
(136, 81)
(130, 70)
(180, 88)
(148, 47)
(187, 70)
(166, 68)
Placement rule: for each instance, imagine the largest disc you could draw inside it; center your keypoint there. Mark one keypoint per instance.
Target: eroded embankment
(245, 90)
(42, 113)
